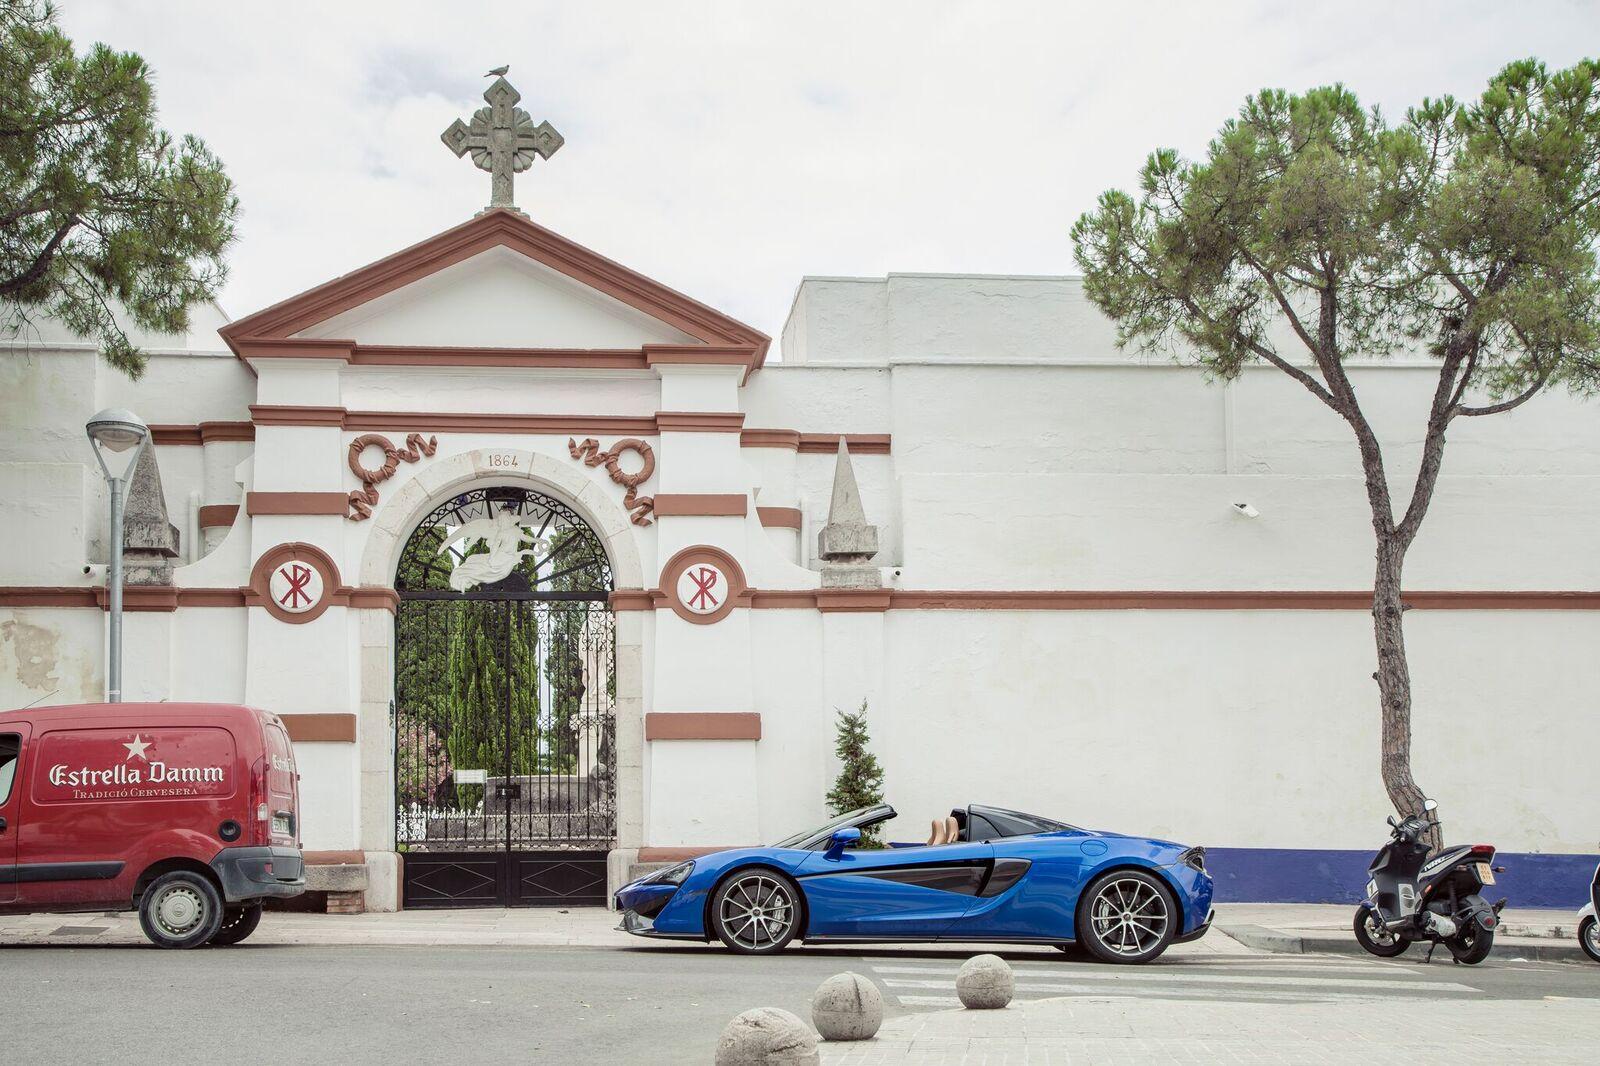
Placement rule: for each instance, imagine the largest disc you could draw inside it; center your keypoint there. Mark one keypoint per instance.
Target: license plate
(281, 825)
(1486, 873)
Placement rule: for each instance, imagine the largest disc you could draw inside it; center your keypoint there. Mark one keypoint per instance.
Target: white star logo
(136, 747)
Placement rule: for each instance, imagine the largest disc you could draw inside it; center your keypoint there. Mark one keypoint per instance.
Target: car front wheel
(180, 910)
(1127, 916)
(756, 912)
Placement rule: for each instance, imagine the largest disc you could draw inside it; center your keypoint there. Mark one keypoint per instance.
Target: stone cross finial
(848, 542)
(502, 139)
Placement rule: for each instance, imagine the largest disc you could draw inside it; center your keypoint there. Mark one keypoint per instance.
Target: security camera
(1246, 510)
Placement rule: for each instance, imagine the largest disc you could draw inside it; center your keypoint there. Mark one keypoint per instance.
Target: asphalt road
(646, 1004)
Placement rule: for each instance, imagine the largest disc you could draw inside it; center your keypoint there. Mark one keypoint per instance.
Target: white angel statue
(504, 534)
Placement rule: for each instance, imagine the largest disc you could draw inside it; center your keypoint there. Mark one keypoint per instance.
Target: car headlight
(672, 875)
(1195, 858)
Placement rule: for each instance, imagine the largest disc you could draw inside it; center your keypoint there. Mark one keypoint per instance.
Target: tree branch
(41, 262)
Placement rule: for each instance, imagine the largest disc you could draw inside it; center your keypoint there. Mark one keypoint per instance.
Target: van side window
(10, 750)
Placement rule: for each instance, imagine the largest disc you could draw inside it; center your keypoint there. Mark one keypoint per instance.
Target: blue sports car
(985, 874)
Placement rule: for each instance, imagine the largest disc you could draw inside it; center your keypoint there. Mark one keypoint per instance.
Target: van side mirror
(841, 839)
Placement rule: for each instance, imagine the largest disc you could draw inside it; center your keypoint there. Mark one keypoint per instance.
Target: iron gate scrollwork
(505, 688)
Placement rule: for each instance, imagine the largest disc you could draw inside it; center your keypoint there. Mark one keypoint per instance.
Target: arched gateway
(504, 713)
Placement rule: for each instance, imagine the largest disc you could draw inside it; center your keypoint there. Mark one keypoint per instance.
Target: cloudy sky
(728, 149)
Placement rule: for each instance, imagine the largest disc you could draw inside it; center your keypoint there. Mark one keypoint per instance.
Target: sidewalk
(1246, 927)
(1086, 1029)
(1300, 928)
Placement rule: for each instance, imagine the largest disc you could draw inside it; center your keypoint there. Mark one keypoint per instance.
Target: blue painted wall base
(1291, 875)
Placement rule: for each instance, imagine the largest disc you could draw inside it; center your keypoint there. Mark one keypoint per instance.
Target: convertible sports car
(985, 874)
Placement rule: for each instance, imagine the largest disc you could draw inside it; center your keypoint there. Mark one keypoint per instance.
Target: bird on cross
(498, 72)
(502, 139)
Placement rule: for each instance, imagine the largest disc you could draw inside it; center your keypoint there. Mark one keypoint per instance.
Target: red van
(185, 812)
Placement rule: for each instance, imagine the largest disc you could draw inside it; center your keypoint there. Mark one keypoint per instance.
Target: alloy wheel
(757, 912)
(1130, 917)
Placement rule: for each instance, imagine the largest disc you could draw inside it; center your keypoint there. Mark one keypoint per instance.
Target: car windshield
(859, 817)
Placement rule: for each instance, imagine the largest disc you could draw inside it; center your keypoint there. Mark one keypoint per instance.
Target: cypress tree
(860, 780)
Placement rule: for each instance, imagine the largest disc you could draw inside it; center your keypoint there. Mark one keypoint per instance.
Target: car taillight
(260, 821)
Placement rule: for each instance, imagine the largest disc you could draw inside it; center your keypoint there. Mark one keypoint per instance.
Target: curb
(1263, 939)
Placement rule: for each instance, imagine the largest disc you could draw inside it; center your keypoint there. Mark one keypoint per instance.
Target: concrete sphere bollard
(767, 1036)
(985, 982)
(847, 1006)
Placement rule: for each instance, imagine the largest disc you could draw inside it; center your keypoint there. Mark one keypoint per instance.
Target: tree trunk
(1394, 683)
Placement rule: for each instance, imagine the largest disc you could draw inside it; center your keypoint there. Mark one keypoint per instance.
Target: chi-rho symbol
(702, 588)
(296, 586)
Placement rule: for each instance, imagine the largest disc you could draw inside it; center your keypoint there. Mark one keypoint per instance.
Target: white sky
(727, 149)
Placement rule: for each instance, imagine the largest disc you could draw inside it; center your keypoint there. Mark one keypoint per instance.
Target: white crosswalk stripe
(932, 985)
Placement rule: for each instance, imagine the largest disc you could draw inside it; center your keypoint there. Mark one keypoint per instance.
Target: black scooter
(1413, 897)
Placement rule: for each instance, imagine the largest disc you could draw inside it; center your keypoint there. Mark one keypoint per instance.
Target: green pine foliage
(860, 780)
(480, 685)
(102, 213)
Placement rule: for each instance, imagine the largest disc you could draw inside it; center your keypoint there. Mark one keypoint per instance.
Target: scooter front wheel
(1374, 938)
(1589, 938)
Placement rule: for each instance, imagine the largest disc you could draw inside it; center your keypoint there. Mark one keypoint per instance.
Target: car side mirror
(841, 839)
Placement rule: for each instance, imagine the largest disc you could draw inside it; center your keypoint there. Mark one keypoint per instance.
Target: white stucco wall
(1027, 454)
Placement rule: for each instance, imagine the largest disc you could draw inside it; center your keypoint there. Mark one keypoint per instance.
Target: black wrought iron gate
(505, 760)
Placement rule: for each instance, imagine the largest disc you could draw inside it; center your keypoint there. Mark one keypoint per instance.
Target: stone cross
(502, 139)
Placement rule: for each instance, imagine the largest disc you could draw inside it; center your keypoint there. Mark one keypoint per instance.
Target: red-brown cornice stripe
(627, 600)
(289, 415)
(218, 514)
(164, 433)
(858, 443)
(496, 228)
(164, 598)
(736, 725)
(296, 503)
(699, 421)
(769, 438)
(320, 728)
(779, 517)
(701, 504)
(294, 348)
(855, 600)
(446, 422)
(227, 431)
(204, 433)
(533, 358)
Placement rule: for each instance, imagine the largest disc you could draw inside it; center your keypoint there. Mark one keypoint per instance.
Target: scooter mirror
(1430, 805)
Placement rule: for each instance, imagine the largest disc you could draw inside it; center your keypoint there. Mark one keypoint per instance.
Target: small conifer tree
(860, 780)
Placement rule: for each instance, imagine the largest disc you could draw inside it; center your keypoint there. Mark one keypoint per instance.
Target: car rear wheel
(756, 912)
(1127, 916)
(237, 924)
(181, 909)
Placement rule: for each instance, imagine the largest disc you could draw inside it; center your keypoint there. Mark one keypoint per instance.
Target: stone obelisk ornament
(502, 139)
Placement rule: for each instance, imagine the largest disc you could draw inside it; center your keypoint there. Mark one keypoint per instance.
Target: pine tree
(860, 780)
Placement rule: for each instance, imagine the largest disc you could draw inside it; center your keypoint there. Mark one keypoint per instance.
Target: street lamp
(119, 436)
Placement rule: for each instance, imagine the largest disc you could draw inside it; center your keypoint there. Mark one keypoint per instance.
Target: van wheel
(181, 909)
(237, 924)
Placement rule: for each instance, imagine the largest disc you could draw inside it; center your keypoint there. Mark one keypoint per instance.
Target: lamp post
(119, 435)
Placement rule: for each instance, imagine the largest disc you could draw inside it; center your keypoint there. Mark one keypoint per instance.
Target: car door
(890, 893)
(12, 738)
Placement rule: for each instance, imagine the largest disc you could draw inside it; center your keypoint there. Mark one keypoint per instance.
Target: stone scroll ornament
(639, 508)
(362, 501)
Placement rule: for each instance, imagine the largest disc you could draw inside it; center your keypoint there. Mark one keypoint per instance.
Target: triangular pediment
(499, 281)
(498, 298)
